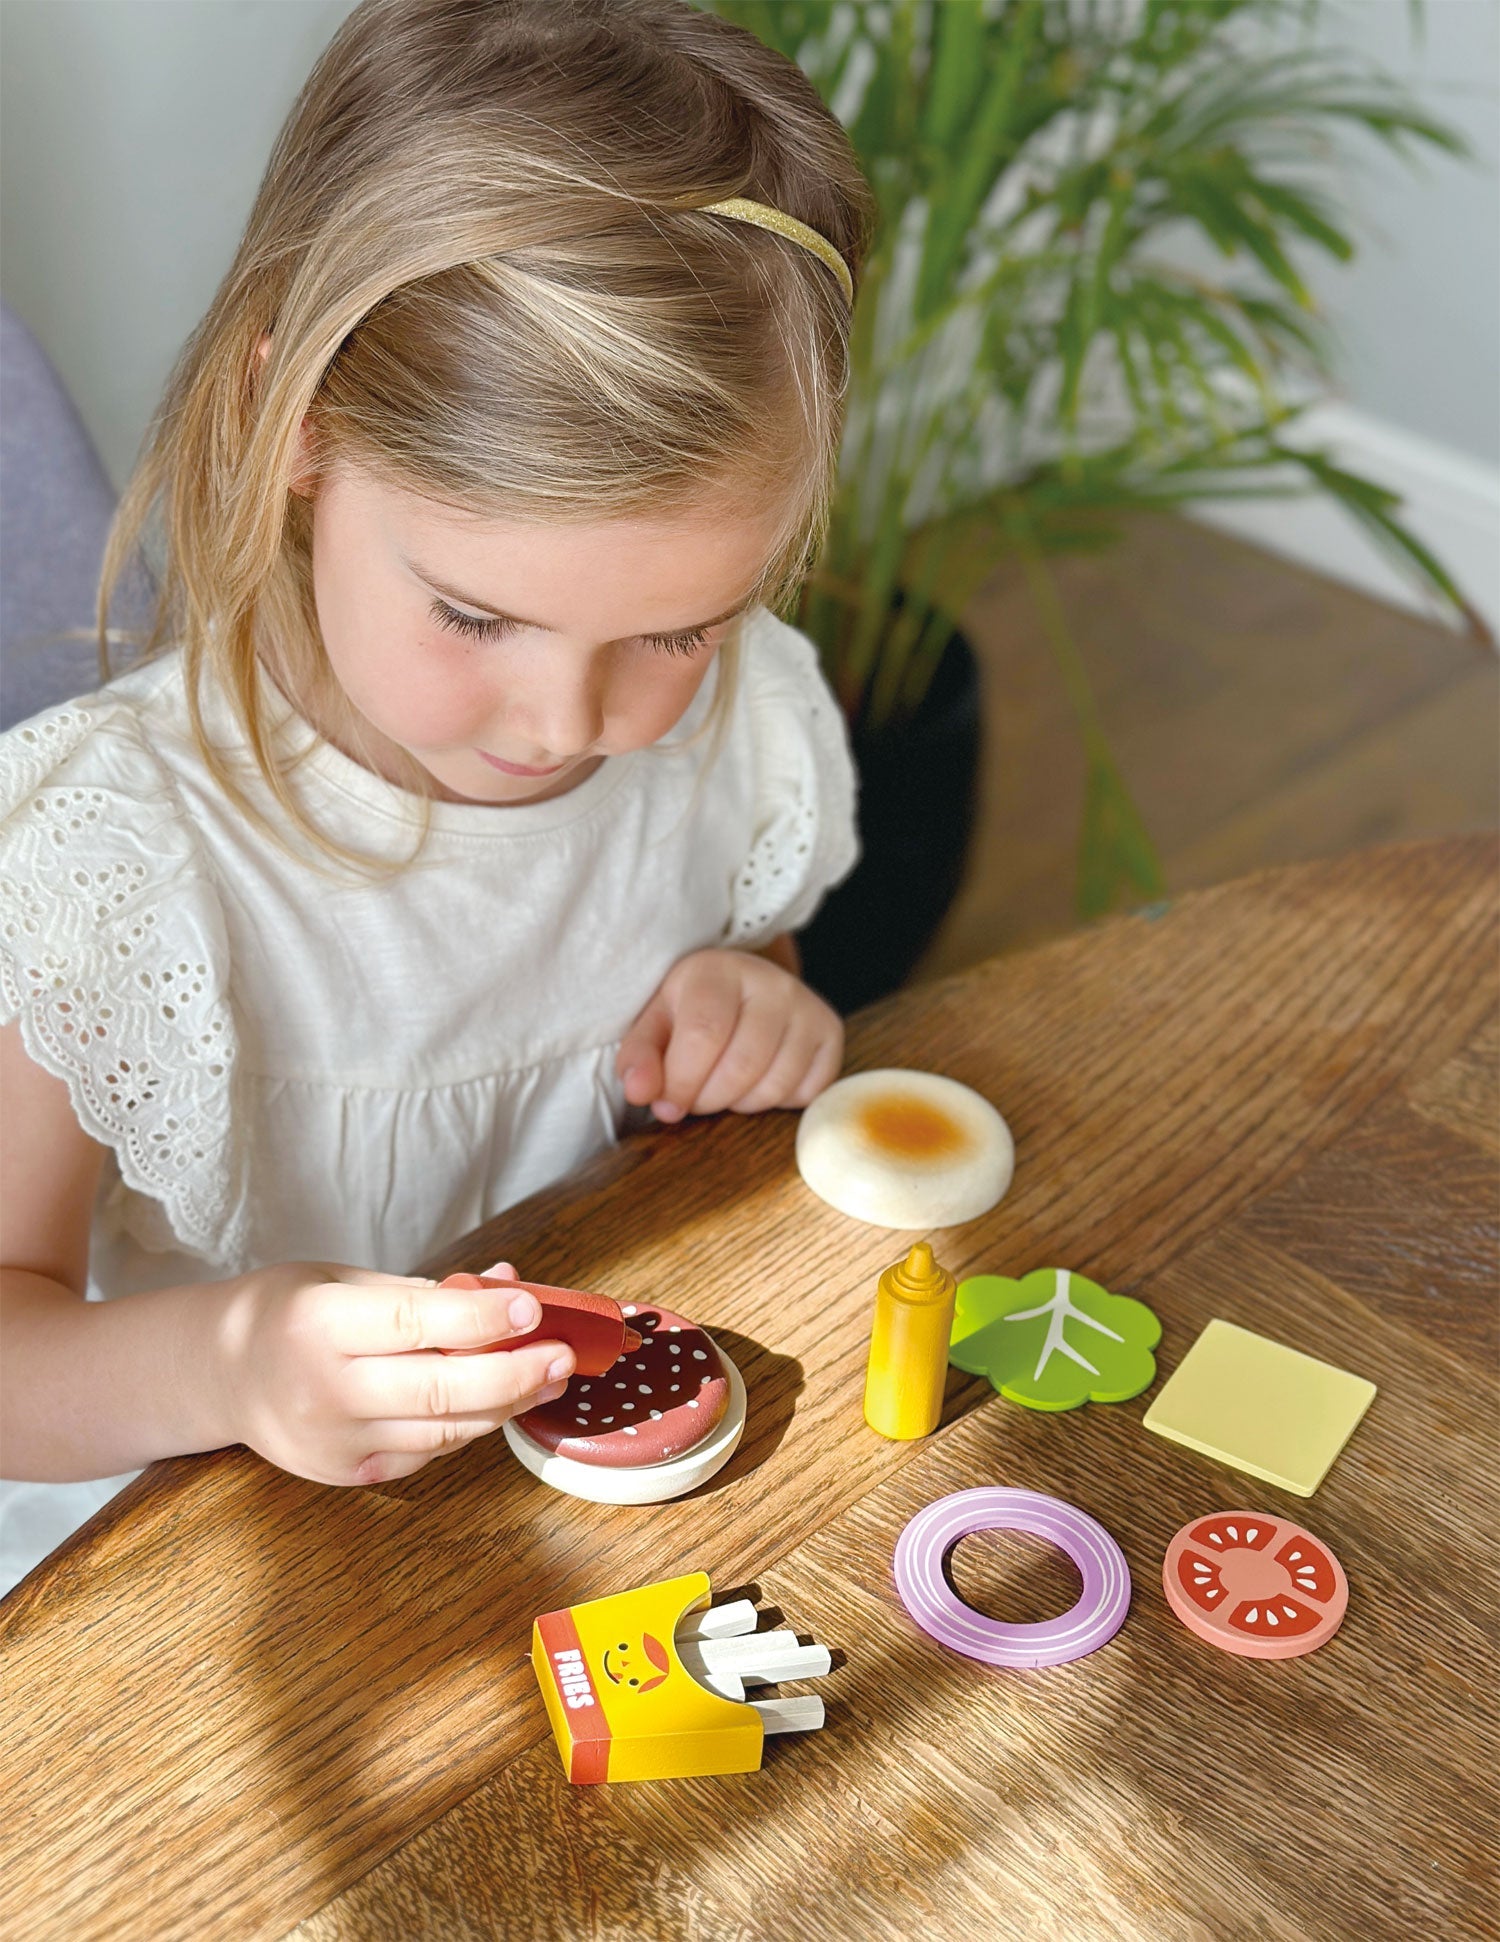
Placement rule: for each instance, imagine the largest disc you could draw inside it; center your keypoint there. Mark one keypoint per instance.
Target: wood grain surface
(238, 1703)
(1260, 714)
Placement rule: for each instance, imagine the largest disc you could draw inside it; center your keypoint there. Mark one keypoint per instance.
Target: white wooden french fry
(805, 1662)
(728, 1685)
(767, 1658)
(719, 1621)
(802, 1713)
(748, 1649)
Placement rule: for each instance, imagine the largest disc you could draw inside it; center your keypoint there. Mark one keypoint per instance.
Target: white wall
(135, 131)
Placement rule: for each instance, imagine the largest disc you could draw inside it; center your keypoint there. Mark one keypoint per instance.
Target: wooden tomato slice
(1255, 1585)
(1276, 1617)
(1233, 1530)
(1310, 1568)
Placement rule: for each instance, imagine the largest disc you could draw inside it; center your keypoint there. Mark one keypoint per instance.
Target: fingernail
(562, 1367)
(524, 1312)
(665, 1110)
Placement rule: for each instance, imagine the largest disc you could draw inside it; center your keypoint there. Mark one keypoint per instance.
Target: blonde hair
(479, 250)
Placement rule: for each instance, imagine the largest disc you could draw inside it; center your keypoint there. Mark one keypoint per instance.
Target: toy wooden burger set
(651, 1684)
(648, 1684)
(654, 1407)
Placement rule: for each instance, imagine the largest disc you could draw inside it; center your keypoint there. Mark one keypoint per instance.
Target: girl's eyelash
(486, 628)
(491, 627)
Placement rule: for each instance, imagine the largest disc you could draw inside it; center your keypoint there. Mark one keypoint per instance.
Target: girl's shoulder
(789, 739)
(785, 714)
(113, 952)
(127, 735)
(779, 662)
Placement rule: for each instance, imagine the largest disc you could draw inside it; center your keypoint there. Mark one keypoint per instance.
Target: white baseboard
(1452, 504)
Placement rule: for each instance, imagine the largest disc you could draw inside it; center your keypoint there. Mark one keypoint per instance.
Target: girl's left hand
(729, 1031)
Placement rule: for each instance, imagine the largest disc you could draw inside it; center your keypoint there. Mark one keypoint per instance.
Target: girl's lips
(516, 768)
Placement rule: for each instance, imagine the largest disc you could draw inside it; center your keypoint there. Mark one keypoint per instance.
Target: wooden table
(239, 1702)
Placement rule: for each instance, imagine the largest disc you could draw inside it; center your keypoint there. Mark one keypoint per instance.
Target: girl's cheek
(417, 692)
(644, 704)
(441, 711)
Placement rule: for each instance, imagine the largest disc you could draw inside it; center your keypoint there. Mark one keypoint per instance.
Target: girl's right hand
(338, 1374)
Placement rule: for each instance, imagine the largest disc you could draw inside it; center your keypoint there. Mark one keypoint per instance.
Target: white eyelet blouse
(284, 1065)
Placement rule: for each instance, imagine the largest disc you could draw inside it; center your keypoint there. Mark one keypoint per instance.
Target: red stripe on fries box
(577, 1712)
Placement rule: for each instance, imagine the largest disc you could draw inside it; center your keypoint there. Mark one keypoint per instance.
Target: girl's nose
(562, 715)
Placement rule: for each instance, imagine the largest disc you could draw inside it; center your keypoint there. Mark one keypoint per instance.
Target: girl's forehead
(712, 544)
(683, 569)
(717, 510)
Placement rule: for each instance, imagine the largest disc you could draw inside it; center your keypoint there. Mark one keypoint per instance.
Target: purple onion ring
(927, 1595)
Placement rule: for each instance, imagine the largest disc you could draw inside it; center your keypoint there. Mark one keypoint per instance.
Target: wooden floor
(1259, 713)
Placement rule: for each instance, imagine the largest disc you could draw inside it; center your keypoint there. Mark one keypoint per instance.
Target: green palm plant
(1030, 351)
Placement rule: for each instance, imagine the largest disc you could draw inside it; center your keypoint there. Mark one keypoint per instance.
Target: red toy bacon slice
(592, 1325)
(1255, 1585)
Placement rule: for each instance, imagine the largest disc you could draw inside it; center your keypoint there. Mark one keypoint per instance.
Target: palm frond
(1029, 356)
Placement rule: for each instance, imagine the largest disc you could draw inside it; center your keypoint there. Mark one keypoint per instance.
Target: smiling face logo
(637, 1667)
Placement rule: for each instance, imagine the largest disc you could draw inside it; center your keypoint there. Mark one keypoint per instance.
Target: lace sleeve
(113, 957)
(805, 840)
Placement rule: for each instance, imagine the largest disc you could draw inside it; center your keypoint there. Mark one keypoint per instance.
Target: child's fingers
(754, 1047)
(422, 1438)
(826, 1064)
(704, 1027)
(788, 1070)
(336, 1271)
(398, 1318)
(427, 1387)
(639, 1060)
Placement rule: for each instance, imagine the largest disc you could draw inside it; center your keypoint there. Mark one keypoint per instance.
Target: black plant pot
(918, 787)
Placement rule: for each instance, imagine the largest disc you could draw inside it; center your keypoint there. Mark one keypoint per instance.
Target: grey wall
(134, 133)
(1418, 311)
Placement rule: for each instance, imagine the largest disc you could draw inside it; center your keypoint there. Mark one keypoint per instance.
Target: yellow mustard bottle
(909, 1347)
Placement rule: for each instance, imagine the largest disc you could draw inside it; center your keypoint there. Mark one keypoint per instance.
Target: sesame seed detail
(633, 1421)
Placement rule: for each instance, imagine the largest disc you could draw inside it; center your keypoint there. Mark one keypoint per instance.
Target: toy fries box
(622, 1705)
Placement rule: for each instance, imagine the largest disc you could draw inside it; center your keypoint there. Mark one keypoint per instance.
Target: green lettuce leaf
(1053, 1340)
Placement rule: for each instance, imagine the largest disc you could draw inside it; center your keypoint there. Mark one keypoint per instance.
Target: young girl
(469, 788)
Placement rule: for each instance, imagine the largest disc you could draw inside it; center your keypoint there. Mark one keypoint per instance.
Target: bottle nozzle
(919, 1277)
(632, 1342)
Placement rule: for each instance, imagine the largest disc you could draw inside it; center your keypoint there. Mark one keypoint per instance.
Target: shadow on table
(772, 1385)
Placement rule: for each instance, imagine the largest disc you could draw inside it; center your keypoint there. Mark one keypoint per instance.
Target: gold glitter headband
(784, 225)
